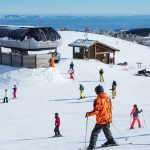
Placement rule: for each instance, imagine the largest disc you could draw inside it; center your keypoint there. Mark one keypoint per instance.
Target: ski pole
(119, 131)
(86, 130)
(130, 120)
(143, 118)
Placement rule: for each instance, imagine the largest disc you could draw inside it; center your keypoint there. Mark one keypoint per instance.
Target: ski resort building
(92, 49)
(22, 40)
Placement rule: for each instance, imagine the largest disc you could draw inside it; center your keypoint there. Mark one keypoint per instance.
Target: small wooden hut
(92, 49)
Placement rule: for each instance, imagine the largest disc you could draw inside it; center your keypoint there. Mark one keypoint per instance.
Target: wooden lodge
(92, 49)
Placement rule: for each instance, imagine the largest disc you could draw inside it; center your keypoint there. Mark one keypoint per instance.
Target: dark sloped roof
(83, 43)
(38, 33)
(88, 43)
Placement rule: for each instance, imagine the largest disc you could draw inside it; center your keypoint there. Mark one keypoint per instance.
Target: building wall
(17, 60)
(92, 52)
(27, 61)
(6, 59)
(43, 60)
(97, 51)
(78, 52)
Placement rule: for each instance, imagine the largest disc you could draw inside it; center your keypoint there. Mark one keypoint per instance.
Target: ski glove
(86, 115)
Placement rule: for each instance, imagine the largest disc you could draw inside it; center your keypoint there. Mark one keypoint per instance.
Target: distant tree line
(124, 35)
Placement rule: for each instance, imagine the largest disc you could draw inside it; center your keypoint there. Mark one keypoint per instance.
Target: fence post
(11, 59)
(35, 61)
(22, 60)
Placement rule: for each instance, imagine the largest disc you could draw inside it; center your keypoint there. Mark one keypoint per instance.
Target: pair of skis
(130, 143)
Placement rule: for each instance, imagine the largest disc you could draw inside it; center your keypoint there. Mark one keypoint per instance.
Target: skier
(52, 61)
(135, 113)
(102, 109)
(14, 91)
(5, 97)
(71, 73)
(114, 84)
(71, 66)
(101, 72)
(81, 88)
(57, 125)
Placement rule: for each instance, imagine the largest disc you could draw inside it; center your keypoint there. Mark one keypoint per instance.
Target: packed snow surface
(27, 123)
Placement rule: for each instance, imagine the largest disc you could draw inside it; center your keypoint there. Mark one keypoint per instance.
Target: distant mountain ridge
(111, 23)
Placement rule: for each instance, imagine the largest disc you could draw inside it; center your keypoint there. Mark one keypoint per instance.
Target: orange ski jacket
(102, 109)
(52, 62)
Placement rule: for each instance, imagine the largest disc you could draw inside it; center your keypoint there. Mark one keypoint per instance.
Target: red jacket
(57, 121)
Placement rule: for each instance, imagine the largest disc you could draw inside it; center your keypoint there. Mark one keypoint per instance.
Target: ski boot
(131, 127)
(109, 143)
(90, 148)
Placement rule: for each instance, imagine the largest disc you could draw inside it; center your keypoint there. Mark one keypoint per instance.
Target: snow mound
(26, 77)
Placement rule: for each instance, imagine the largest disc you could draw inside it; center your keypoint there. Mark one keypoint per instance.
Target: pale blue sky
(69, 7)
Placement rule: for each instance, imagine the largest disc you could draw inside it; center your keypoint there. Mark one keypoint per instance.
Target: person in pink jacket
(135, 113)
(14, 91)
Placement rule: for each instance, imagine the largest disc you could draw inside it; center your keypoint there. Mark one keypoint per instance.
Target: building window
(77, 50)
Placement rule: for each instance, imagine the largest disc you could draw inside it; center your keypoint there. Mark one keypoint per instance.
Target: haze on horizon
(78, 7)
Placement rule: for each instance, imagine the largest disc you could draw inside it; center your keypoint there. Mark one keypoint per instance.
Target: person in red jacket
(14, 91)
(71, 73)
(57, 125)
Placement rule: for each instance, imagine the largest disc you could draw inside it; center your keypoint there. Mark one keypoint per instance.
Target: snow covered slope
(129, 52)
(27, 123)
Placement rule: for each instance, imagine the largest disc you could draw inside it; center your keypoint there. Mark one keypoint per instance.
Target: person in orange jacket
(52, 61)
(103, 111)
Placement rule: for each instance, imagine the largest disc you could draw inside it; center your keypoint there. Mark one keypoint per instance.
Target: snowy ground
(26, 123)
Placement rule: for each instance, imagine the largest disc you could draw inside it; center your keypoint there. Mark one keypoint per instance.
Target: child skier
(135, 112)
(71, 73)
(81, 88)
(114, 84)
(6, 96)
(14, 91)
(101, 72)
(72, 66)
(57, 125)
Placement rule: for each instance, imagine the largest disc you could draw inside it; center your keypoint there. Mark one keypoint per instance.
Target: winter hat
(99, 89)
(135, 105)
(56, 114)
